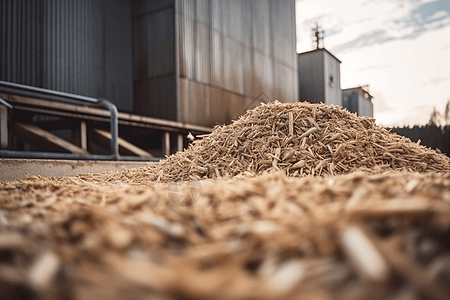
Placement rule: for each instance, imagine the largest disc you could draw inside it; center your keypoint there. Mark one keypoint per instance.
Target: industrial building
(319, 77)
(320, 80)
(358, 100)
(170, 67)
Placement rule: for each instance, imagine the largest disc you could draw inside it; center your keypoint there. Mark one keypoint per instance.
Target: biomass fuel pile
(290, 201)
(299, 138)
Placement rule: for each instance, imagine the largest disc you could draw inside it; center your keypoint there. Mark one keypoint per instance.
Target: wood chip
(366, 259)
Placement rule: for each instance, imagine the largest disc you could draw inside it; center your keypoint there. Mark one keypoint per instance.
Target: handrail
(3, 102)
(35, 92)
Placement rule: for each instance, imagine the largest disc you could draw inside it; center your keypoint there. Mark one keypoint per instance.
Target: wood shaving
(329, 139)
(266, 237)
(278, 211)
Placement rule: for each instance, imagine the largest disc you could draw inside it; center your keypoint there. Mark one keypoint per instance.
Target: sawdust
(301, 139)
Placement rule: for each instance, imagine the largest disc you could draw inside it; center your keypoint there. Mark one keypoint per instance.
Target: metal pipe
(114, 127)
(56, 155)
(35, 92)
(3, 102)
(31, 91)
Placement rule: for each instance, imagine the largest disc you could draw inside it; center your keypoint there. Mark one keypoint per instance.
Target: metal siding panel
(140, 60)
(198, 98)
(142, 7)
(237, 106)
(258, 72)
(234, 66)
(365, 107)
(186, 42)
(227, 63)
(263, 74)
(295, 92)
(332, 68)
(261, 30)
(351, 101)
(283, 83)
(203, 11)
(187, 8)
(3, 45)
(249, 88)
(156, 97)
(318, 80)
(60, 45)
(269, 76)
(118, 57)
(283, 31)
(225, 17)
(311, 77)
(219, 107)
(235, 18)
(97, 42)
(216, 58)
(183, 101)
(203, 53)
(14, 40)
(216, 14)
(154, 84)
(194, 102)
(247, 21)
(158, 44)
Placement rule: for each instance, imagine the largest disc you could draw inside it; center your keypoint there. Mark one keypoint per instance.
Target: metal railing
(40, 93)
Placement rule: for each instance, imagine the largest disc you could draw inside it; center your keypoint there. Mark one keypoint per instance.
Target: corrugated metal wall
(350, 100)
(354, 100)
(197, 61)
(154, 62)
(316, 68)
(231, 50)
(332, 80)
(311, 79)
(76, 46)
(365, 107)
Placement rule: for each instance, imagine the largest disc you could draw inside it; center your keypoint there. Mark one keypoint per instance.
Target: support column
(83, 135)
(166, 144)
(180, 144)
(3, 127)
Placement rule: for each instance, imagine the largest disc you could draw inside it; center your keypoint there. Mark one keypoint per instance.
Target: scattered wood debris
(267, 237)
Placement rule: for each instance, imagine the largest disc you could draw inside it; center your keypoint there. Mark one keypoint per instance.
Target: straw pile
(302, 139)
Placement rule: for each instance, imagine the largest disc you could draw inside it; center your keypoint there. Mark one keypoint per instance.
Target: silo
(214, 57)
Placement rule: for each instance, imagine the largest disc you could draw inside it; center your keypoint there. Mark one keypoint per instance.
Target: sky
(401, 48)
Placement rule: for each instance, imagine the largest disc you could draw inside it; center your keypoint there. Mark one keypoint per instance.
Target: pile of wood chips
(302, 139)
(272, 230)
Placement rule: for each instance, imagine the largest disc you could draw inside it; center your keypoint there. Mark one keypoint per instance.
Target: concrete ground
(11, 169)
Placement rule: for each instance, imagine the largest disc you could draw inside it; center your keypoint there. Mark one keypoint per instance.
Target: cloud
(351, 24)
(437, 15)
(428, 1)
(364, 40)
